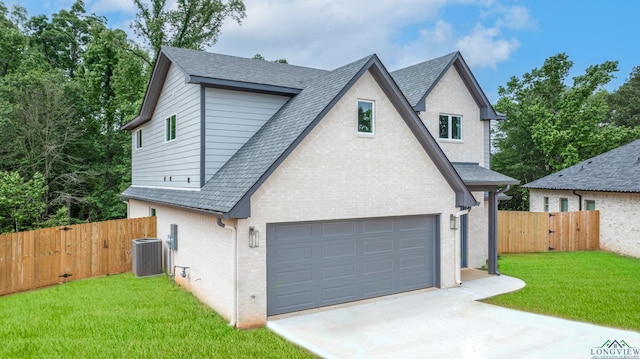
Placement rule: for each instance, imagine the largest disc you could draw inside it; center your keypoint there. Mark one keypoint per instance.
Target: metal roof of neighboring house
(417, 81)
(615, 171)
(228, 191)
(475, 175)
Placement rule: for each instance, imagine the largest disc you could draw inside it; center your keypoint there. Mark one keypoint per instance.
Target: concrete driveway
(446, 323)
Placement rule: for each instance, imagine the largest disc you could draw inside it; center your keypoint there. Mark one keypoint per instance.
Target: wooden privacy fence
(48, 256)
(548, 231)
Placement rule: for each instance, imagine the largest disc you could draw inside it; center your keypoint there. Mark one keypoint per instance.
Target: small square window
(590, 205)
(546, 204)
(139, 138)
(170, 128)
(564, 205)
(450, 127)
(365, 117)
(152, 211)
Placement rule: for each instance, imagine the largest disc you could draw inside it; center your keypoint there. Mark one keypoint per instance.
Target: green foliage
(550, 125)
(21, 201)
(122, 316)
(596, 287)
(625, 101)
(194, 24)
(12, 41)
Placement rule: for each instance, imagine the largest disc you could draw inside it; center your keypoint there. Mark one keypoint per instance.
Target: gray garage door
(315, 264)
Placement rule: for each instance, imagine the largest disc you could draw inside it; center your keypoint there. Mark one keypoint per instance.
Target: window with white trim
(366, 117)
(139, 138)
(170, 128)
(590, 205)
(564, 205)
(450, 127)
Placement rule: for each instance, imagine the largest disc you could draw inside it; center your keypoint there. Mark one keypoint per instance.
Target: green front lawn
(126, 317)
(597, 287)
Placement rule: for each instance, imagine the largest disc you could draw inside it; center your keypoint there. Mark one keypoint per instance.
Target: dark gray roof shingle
(227, 187)
(416, 81)
(615, 171)
(474, 174)
(224, 67)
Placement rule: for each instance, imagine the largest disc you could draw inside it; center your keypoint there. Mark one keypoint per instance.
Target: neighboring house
(295, 188)
(609, 183)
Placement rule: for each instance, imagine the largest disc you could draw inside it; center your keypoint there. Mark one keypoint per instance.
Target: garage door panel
(377, 246)
(377, 287)
(378, 225)
(287, 256)
(294, 277)
(347, 260)
(333, 229)
(378, 267)
(338, 249)
(340, 271)
(338, 294)
(412, 223)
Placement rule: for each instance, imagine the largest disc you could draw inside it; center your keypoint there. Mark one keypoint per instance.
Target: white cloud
(515, 17)
(101, 7)
(328, 34)
(484, 47)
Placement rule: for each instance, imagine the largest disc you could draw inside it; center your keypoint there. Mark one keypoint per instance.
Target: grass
(126, 317)
(597, 287)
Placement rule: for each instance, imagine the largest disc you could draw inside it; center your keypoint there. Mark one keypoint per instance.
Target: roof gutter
(579, 200)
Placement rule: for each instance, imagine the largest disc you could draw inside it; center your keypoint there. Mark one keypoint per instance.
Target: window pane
(168, 129)
(444, 126)
(591, 205)
(564, 205)
(173, 127)
(365, 117)
(456, 127)
(139, 139)
(546, 204)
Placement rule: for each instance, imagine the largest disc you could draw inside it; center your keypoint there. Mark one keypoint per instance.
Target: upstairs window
(365, 117)
(170, 128)
(139, 139)
(450, 127)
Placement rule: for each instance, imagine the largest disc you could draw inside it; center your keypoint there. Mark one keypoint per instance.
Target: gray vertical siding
(178, 160)
(232, 117)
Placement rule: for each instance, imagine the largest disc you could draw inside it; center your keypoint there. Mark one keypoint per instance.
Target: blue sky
(497, 38)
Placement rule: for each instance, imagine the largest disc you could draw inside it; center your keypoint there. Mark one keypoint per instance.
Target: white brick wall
(619, 219)
(478, 233)
(203, 246)
(450, 96)
(335, 173)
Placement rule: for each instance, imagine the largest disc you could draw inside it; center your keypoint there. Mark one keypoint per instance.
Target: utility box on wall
(146, 257)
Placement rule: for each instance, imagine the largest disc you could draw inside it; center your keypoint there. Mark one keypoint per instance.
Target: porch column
(492, 262)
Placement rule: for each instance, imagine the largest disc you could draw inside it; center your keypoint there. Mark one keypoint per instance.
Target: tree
(550, 125)
(625, 101)
(39, 129)
(12, 41)
(21, 202)
(193, 24)
(260, 57)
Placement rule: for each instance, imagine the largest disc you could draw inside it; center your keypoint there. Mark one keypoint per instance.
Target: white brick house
(295, 188)
(609, 183)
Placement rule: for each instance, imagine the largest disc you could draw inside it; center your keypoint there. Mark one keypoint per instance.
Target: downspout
(234, 271)
(456, 257)
(579, 200)
(493, 231)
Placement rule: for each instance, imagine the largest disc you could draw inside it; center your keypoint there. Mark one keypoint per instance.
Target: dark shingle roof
(615, 171)
(416, 81)
(223, 191)
(224, 67)
(474, 174)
